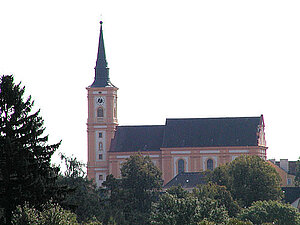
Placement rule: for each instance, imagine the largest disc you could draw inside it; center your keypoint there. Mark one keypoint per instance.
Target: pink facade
(101, 124)
(195, 159)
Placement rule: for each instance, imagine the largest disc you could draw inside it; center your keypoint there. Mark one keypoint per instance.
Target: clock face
(100, 100)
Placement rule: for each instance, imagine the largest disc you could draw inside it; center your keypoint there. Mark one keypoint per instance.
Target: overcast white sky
(170, 59)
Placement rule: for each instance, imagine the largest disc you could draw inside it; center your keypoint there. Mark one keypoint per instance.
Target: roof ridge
(205, 118)
(142, 126)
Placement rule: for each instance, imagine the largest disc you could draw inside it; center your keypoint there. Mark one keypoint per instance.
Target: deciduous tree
(249, 179)
(132, 195)
(187, 210)
(273, 212)
(50, 214)
(219, 194)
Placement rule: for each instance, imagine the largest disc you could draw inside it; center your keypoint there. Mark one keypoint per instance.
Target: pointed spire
(101, 70)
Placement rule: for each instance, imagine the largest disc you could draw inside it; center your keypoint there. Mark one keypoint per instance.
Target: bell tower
(102, 117)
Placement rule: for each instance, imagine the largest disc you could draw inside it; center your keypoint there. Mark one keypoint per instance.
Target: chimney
(284, 164)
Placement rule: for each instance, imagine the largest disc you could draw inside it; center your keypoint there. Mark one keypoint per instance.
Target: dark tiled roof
(187, 180)
(291, 194)
(137, 138)
(206, 132)
(211, 132)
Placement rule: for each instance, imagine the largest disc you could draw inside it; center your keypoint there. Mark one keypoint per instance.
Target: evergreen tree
(25, 170)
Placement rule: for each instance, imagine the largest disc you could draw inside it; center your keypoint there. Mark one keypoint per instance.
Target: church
(180, 145)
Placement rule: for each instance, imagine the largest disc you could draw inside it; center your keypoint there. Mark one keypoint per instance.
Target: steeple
(101, 70)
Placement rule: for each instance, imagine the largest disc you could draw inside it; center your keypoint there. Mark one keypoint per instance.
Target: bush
(51, 214)
(235, 221)
(271, 212)
(26, 215)
(54, 214)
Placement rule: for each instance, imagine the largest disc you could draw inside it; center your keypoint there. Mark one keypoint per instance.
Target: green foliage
(83, 198)
(212, 211)
(235, 221)
(220, 176)
(25, 169)
(178, 191)
(26, 215)
(51, 214)
(249, 179)
(171, 210)
(218, 193)
(114, 204)
(141, 181)
(186, 210)
(231, 221)
(93, 221)
(130, 197)
(139, 174)
(271, 212)
(206, 222)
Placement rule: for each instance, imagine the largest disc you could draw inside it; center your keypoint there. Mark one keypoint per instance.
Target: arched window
(210, 164)
(100, 146)
(180, 166)
(100, 112)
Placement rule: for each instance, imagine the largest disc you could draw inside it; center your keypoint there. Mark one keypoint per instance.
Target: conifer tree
(25, 170)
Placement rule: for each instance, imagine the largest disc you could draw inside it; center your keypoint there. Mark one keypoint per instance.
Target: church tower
(102, 117)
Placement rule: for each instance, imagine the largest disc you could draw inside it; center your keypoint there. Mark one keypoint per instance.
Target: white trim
(210, 151)
(97, 141)
(152, 156)
(122, 156)
(100, 169)
(204, 159)
(238, 151)
(186, 164)
(100, 126)
(180, 152)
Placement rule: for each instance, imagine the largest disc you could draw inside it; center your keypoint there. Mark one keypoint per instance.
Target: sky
(169, 59)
